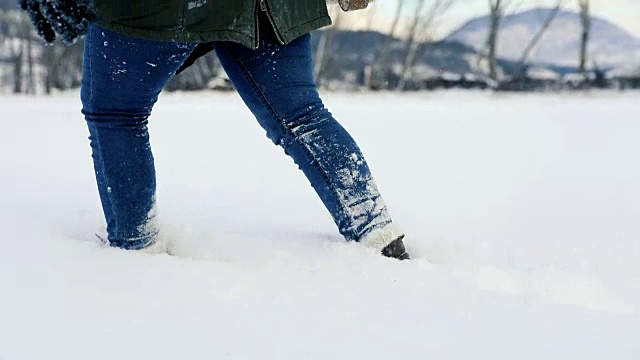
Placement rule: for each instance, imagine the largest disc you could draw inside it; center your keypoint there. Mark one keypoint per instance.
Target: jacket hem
(186, 36)
(315, 24)
(192, 36)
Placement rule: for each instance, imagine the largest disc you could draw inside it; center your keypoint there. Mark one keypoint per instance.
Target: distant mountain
(610, 46)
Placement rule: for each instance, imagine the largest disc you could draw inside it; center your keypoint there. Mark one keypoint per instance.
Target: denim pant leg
(122, 78)
(276, 82)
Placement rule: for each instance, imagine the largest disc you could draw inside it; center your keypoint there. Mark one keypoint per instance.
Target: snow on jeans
(122, 78)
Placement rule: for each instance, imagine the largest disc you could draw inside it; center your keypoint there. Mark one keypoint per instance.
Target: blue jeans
(122, 78)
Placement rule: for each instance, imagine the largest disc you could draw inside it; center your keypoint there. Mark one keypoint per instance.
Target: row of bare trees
(17, 51)
(28, 63)
(416, 30)
(497, 10)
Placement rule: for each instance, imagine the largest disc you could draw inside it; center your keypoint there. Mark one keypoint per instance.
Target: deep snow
(521, 211)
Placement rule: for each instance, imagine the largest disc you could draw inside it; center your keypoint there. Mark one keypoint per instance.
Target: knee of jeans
(110, 110)
(276, 136)
(307, 118)
(117, 121)
(120, 102)
(112, 100)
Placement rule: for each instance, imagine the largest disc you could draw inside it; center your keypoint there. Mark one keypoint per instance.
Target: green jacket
(210, 20)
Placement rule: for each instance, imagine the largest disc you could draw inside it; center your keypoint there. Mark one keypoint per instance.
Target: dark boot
(396, 249)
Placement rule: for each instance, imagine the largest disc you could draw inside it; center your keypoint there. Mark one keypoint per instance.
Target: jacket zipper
(265, 9)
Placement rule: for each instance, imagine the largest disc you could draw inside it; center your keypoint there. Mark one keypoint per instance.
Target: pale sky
(625, 13)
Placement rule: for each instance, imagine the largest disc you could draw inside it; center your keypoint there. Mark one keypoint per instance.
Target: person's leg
(122, 78)
(276, 82)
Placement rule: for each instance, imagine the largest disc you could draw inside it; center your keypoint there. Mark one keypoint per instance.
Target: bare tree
(321, 50)
(538, 36)
(18, 52)
(396, 18)
(367, 71)
(411, 39)
(31, 76)
(322, 56)
(17, 55)
(420, 32)
(585, 18)
(496, 11)
(380, 68)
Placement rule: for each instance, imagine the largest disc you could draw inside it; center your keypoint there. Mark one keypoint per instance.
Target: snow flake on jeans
(150, 227)
(360, 198)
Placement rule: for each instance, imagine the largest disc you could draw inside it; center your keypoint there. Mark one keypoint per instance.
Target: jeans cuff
(136, 243)
(381, 237)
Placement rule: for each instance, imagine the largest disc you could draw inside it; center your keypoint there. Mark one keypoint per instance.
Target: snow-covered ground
(522, 214)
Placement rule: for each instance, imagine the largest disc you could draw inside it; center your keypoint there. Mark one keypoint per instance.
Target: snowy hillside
(610, 45)
(521, 213)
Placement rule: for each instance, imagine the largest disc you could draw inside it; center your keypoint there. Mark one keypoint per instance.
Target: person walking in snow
(133, 48)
